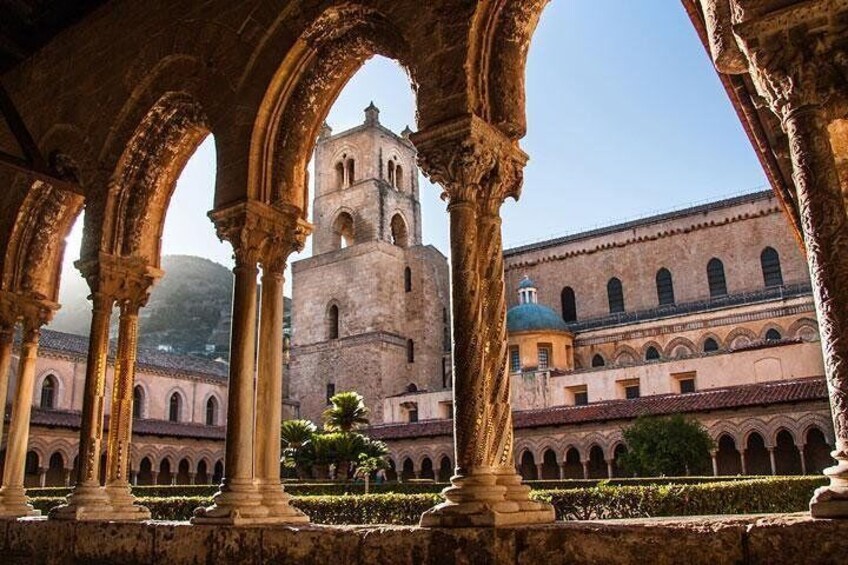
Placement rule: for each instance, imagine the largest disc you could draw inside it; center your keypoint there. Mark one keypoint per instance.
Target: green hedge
(602, 502)
(340, 489)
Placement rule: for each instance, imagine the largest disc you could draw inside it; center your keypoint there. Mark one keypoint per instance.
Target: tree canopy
(347, 412)
(669, 445)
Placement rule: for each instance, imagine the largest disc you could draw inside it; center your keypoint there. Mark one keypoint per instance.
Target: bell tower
(366, 187)
(370, 308)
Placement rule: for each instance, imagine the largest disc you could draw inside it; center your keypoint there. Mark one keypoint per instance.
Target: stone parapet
(775, 538)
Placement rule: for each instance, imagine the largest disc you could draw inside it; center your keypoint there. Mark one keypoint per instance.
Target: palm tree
(296, 436)
(346, 413)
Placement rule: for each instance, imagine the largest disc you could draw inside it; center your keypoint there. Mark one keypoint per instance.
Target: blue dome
(533, 317)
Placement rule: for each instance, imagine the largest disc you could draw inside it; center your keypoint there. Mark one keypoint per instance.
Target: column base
(15, 504)
(124, 503)
(276, 500)
(86, 502)
(482, 499)
(831, 501)
(238, 503)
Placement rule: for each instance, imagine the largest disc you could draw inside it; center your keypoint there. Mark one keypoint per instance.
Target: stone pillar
(772, 461)
(742, 461)
(803, 461)
(154, 476)
(66, 475)
(252, 228)
(42, 477)
(585, 468)
(134, 478)
(800, 77)
(561, 471)
(8, 319)
(479, 167)
(714, 459)
(609, 468)
(289, 235)
(132, 297)
(88, 500)
(191, 477)
(13, 500)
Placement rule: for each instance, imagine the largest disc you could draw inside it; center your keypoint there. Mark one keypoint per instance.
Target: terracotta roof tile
(797, 390)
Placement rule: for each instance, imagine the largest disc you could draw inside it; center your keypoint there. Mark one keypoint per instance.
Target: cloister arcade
(111, 133)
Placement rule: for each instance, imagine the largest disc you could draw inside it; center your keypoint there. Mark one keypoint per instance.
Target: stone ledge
(773, 538)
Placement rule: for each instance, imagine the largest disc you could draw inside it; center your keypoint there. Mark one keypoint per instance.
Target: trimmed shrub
(602, 502)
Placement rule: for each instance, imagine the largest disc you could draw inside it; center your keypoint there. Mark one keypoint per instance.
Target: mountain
(188, 311)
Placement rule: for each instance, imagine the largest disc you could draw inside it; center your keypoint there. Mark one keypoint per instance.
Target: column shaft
(269, 385)
(7, 333)
(13, 500)
(823, 220)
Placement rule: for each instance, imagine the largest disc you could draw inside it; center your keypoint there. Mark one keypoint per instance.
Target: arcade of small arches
(805, 329)
(265, 103)
(49, 464)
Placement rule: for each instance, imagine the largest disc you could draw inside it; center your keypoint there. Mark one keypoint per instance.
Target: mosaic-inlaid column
(133, 296)
(289, 236)
(478, 168)
(13, 499)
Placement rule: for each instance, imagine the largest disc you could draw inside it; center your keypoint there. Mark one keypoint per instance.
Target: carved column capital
(797, 57)
(473, 161)
(125, 280)
(35, 312)
(260, 233)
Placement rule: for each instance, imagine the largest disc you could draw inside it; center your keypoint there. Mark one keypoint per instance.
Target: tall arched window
(351, 172)
(715, 278)
(407, 279)
(410, 351)
(400, 234)
(343, 231)
(340, 175)
(138, 401)
(598, 361)
(174, 406)
(770, 263)
(333, 322)
(569, 304)
(48, 392)
(390, 169)
(615, 296)
(212, 411)
(665, 287)
(398, 177)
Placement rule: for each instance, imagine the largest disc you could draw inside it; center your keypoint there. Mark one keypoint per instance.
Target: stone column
(540, 467)
(132, 297)
(585, 469)
(289, 235)
(742, 461)
(714, 459)
(66, 475)
(772, 461)
(42, 477)
(248, 226)
(88, 500)
(191, 477)
(478, 168)
(800, 75)
(609, 468)
(154, 475)
(803, 461)
(561, 471)
(13, 500)
(8, 319)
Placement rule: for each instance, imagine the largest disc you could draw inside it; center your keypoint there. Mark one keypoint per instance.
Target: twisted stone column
(478, 168)
(13, 499)
(290, 236)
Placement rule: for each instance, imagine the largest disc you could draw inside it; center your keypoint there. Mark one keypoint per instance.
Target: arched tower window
(770, 263)
(174, 406)
(410, 351)
(569, 304)
(400, 235)
(212, 411)
(407, 279)
(652, 354)
(48, 392)
(391, 172)
(398, 177)
(351, 172)
(343, 231)
(138, 401)
(598, 360)
(715, 278)
(615, 296)
(333, 322)
(710, 345)
(665, 287)
(340, 175)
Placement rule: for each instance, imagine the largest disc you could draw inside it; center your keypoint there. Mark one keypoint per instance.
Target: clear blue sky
(626, 117)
